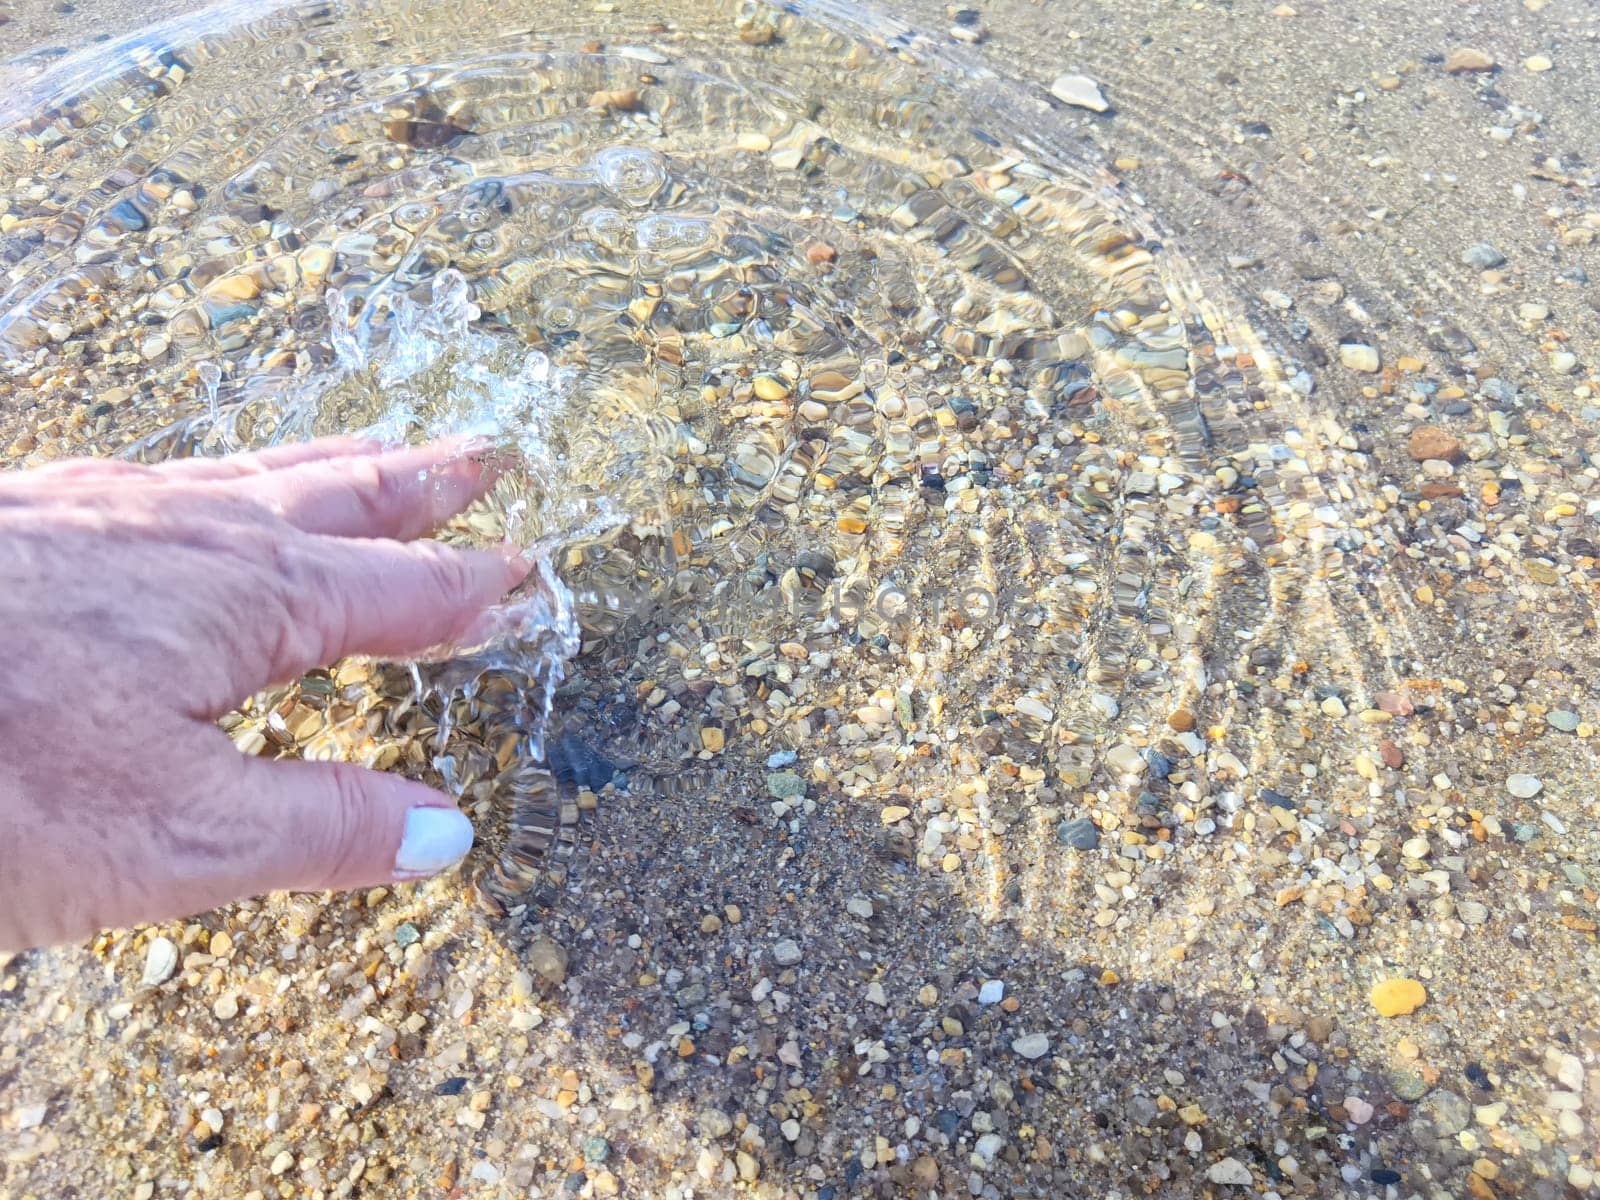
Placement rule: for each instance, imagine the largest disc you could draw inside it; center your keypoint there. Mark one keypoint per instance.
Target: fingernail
(434, 838)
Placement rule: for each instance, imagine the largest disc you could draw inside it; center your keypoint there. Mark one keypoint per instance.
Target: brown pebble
(1468, 59)
(818, 253)
(1181, 720)
(619, 100)
(1393, 757)
(1429, 441)
(1395, 704)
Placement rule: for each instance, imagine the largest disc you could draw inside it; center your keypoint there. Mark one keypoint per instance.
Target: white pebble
(160, 961)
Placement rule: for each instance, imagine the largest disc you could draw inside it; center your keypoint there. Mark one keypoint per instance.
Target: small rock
(1524, 787)
(548, 959)
(1080, 91)
(1124, 759)
(1467, 59)
(712, 738)
(787, 952)
(596, 1149)
(785, 785)
(1398, 997)
(160, 961)
(406, 935)
(1563, 720)
(1032, 1045)
(1230, 1172)
(1358, 356)
(1448, 1112)
(1358, 1110)
(1537, 63)
(1079, 833)
(1472, 913)
(992, 991)
(1431, 442)
(1483, 257)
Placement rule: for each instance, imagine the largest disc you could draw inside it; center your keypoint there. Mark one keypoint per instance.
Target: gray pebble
(1079, 833)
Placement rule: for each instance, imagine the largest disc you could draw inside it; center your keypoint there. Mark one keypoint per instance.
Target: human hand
(138, 604)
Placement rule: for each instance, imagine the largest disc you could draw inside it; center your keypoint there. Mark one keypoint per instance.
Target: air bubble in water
(631, 174)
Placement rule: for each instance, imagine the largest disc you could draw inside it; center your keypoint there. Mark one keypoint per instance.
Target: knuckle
(310, 611)
(354, 816)
(452, 576)
(376, 491)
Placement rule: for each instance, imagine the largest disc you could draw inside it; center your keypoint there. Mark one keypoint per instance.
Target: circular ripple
(865, 378)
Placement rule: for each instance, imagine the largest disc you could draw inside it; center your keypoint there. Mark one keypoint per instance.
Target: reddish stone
(1395, 704)
(1429, 441)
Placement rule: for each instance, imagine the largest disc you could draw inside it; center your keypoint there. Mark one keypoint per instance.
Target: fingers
(385, 599)
(400, 494)
(339, 826)
(260, 462)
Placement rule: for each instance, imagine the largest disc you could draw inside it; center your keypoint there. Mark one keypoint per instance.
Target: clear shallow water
(793, 324)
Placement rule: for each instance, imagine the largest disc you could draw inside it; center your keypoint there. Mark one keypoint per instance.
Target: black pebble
(574, 762)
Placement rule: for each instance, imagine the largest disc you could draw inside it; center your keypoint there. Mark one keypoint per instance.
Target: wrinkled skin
(139, 604)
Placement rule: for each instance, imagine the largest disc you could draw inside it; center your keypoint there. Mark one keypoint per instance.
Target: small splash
(406, 370)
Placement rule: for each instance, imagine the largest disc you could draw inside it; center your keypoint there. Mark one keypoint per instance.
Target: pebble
(1032, 1045)
(160, 961)
(1563, 362)
(1080, 91)
(989, 1145)
(1398, 997)
(1537, 63)
(1448, 1112)
(1467, 59)
(406, 935)
(1358, 356)
(787, 952)
(1079, 833)
(548, 960)
(1483, 257)
(1560, 718)
(1430, 442)
(1230, 1172)
(1524, 787)
(785, 785)
(992, 991)
(226, 1008)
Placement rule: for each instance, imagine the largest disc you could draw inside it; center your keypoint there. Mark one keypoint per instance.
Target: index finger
(400, 494)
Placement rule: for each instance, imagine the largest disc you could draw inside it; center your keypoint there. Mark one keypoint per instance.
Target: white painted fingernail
(434, 838)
